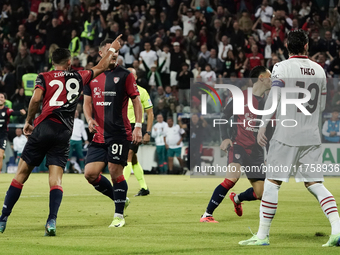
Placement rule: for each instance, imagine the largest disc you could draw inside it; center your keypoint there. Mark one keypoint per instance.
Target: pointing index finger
(119, 36)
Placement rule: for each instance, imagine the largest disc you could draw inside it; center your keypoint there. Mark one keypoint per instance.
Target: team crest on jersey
(237, 156)
(97, 92)
(116, 79)
(3, 114)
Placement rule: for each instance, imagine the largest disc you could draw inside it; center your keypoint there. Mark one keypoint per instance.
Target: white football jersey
(300, 72)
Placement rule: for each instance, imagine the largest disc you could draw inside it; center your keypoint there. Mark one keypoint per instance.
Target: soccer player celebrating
(109, 95)
(300, 146)
(132, 161)
(243, 149)
(51, 133)
(5, 114)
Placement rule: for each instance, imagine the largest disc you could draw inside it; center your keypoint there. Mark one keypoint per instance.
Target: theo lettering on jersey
(307, 71)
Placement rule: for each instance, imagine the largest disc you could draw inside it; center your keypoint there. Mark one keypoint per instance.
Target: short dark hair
(170, 118)
(5, 95)
(106, 41)
(60, 56)
(296, 42)
(255, 73)
(9, 67)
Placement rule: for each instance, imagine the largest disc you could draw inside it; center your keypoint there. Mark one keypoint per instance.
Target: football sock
(67, 167)
(139, 173)
(328, 205)
(118, 215)
(82, 164)
(206, 215)
(268, 208)
(103, 185)
(218, 195)
(12, 196)
(56, 195)
(120, 188)
(127, 171)
(248, 195)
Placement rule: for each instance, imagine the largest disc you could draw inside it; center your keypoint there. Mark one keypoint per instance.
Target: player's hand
(179, 142)
(146, 138)
(137, 135)
(22, 112)
(116, 43)
(226, 144)
(28, 129)
(92, 126)
(261, 137)
(166, 146)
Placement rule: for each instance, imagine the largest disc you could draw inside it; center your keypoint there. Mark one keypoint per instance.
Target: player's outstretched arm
(105, 61)
(32, 110)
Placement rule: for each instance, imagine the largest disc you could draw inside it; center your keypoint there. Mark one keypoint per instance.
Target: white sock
(268, 208)
(236, 200)
(118, 215)
(206, 215)
(328, 205)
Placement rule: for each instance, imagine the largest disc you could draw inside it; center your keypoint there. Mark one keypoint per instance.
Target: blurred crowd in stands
(168, 42)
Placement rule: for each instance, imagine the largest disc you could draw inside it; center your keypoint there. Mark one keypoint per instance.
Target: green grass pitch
(166, 222)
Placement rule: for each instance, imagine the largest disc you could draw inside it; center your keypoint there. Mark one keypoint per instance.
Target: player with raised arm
(51, 133)
(300, 146)
(132, 162)
(107, 97)
(242, 148)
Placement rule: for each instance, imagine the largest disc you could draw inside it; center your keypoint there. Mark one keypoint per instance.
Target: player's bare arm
(87, 108)
(166, 145)
(146, 138)
(261, 137)
(180, 140)
(137, 132)
(226, 143)
(105, 61)
(180, 123)
(32, 110)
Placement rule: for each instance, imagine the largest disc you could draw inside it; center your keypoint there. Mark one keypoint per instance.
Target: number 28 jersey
(300, 72)
(62, 90)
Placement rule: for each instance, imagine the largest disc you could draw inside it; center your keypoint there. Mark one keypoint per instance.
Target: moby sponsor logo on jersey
(104, 103)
